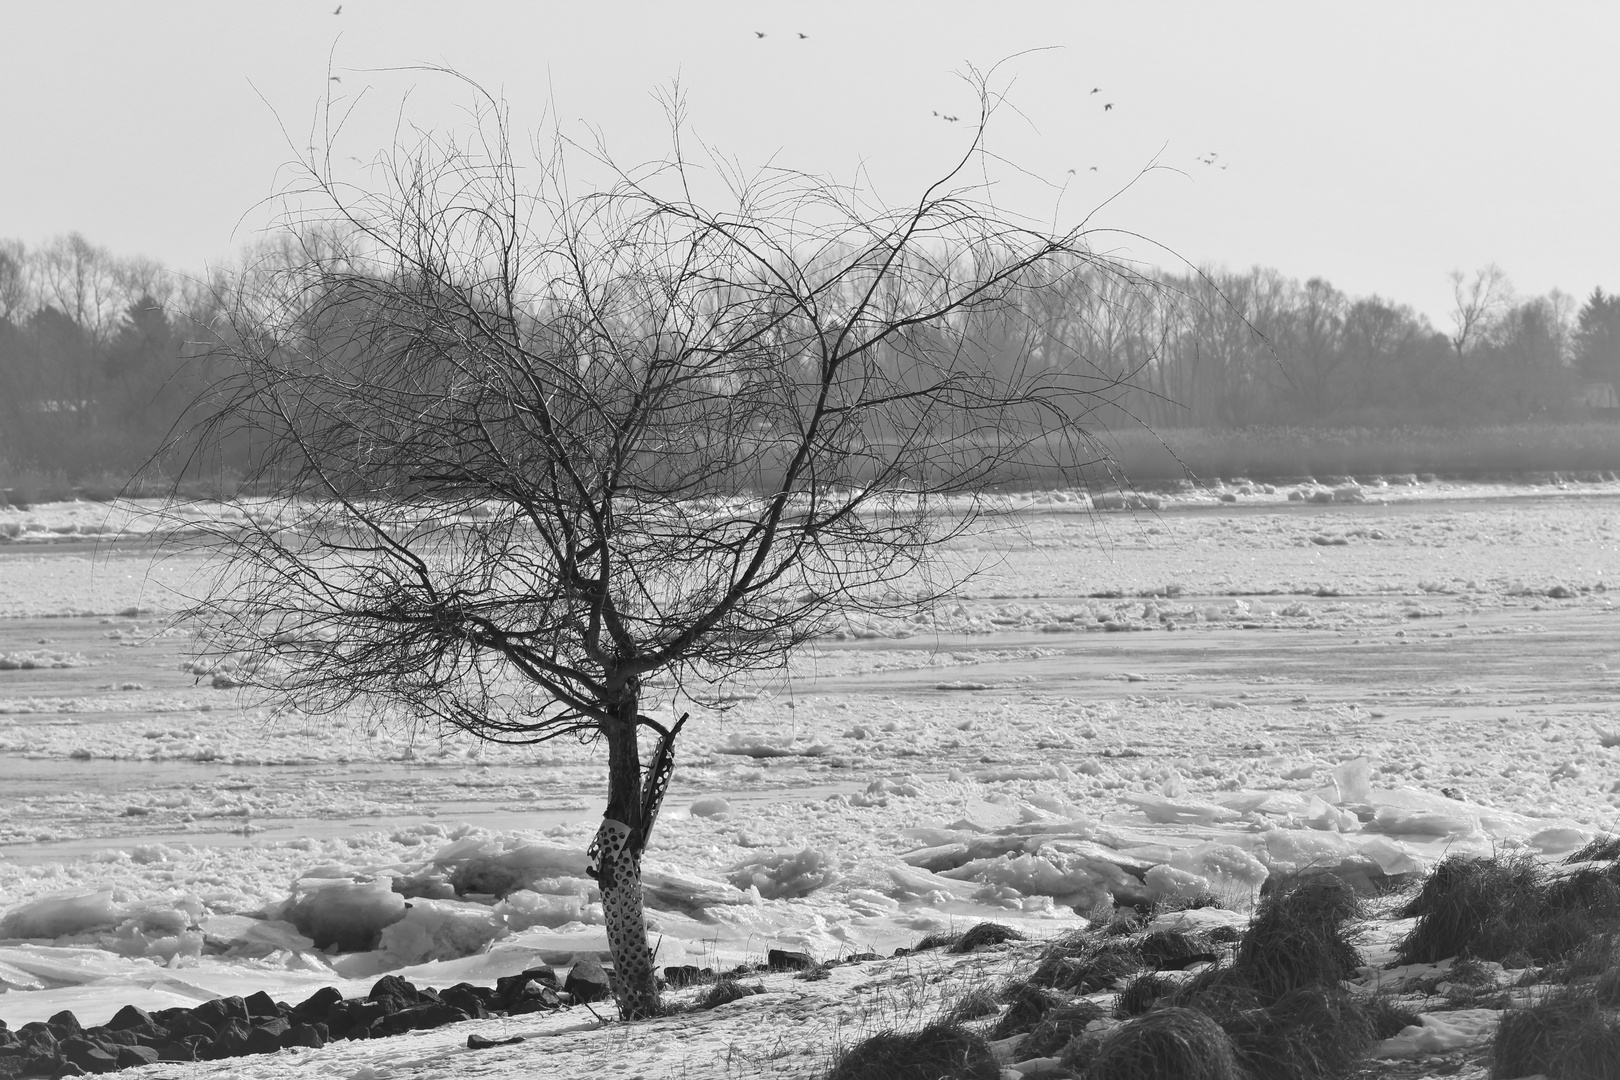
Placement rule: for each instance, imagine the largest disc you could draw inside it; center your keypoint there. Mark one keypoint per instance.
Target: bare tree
(519, 451)
(1476, 301)
(13, 280)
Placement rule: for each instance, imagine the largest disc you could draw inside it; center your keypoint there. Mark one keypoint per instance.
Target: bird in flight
(952, 119)
(759, 33)
(803, 36)
(1108, 107)
(1096, 89)
(1094, 168)
(334, 78)
(339, 10)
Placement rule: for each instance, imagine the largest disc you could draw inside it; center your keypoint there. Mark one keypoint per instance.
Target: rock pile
(237, 1026)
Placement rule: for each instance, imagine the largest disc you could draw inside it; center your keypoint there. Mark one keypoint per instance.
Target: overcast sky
(1378, 145)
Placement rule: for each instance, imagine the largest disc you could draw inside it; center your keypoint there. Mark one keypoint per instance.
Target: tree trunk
(616, 860)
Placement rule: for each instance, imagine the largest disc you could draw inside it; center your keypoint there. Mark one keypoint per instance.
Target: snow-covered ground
(1121, 705)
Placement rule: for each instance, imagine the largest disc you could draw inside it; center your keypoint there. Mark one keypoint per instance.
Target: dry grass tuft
(1061, 1026)
(1143, 992)
(1171, 1042)
(1507, 909)
(973, 1005)
(1388, 1017)
(938, 940)
(940, 1051)
(1165, 949)
(1094, 968)
(985, 933)
(1310, 1033)
(1299, 937)
(1029, 1004)
(1567, 1036)
(725, 992)
(1597, 849)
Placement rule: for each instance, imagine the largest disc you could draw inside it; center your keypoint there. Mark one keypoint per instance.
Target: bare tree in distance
(1476, 301)
(516, 451)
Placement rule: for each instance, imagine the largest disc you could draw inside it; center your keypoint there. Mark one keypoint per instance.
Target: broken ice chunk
(62, 914)
(1229, 868)
(441, 930)
(1164, 811)
(349, 915)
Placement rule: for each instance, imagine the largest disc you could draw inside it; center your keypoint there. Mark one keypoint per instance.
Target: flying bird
(759, 33)
(1094, 168)
(339, 10)
(952, 119)
(1108, 107)
(1096, 89)
(803, 36)
(334, 78)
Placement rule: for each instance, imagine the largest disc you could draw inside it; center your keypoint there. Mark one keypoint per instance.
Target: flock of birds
(1108, 106)
(1209, 159)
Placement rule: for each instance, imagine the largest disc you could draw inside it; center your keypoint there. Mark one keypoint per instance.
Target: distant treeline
(100, 354)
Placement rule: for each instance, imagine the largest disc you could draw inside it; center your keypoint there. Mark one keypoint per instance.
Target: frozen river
(1361, 686)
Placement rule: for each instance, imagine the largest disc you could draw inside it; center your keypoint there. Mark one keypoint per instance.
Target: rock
(507, 986)
(260, 1005)
(231, 1042)
(311, 1035)
(468, 999)
(358, 1015)
(128, 1017)
(186, 1023)
(587, 981)
(133, 1057)
(35, 1039)
(338, 1022)
(133, 1036)
(178, 1051)
(782, 960)
(215, 1013)
(266, 1039)
(679, 975)
(36, 1065)
(421, 1018)
(530, 991)
(537, 998)
(478, 1042)
(62, 1025)
(317, 1005)
(395, 992)
(89, 1054)
(276, 1025)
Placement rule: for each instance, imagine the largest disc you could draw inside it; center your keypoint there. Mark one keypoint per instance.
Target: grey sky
(1378, 145)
